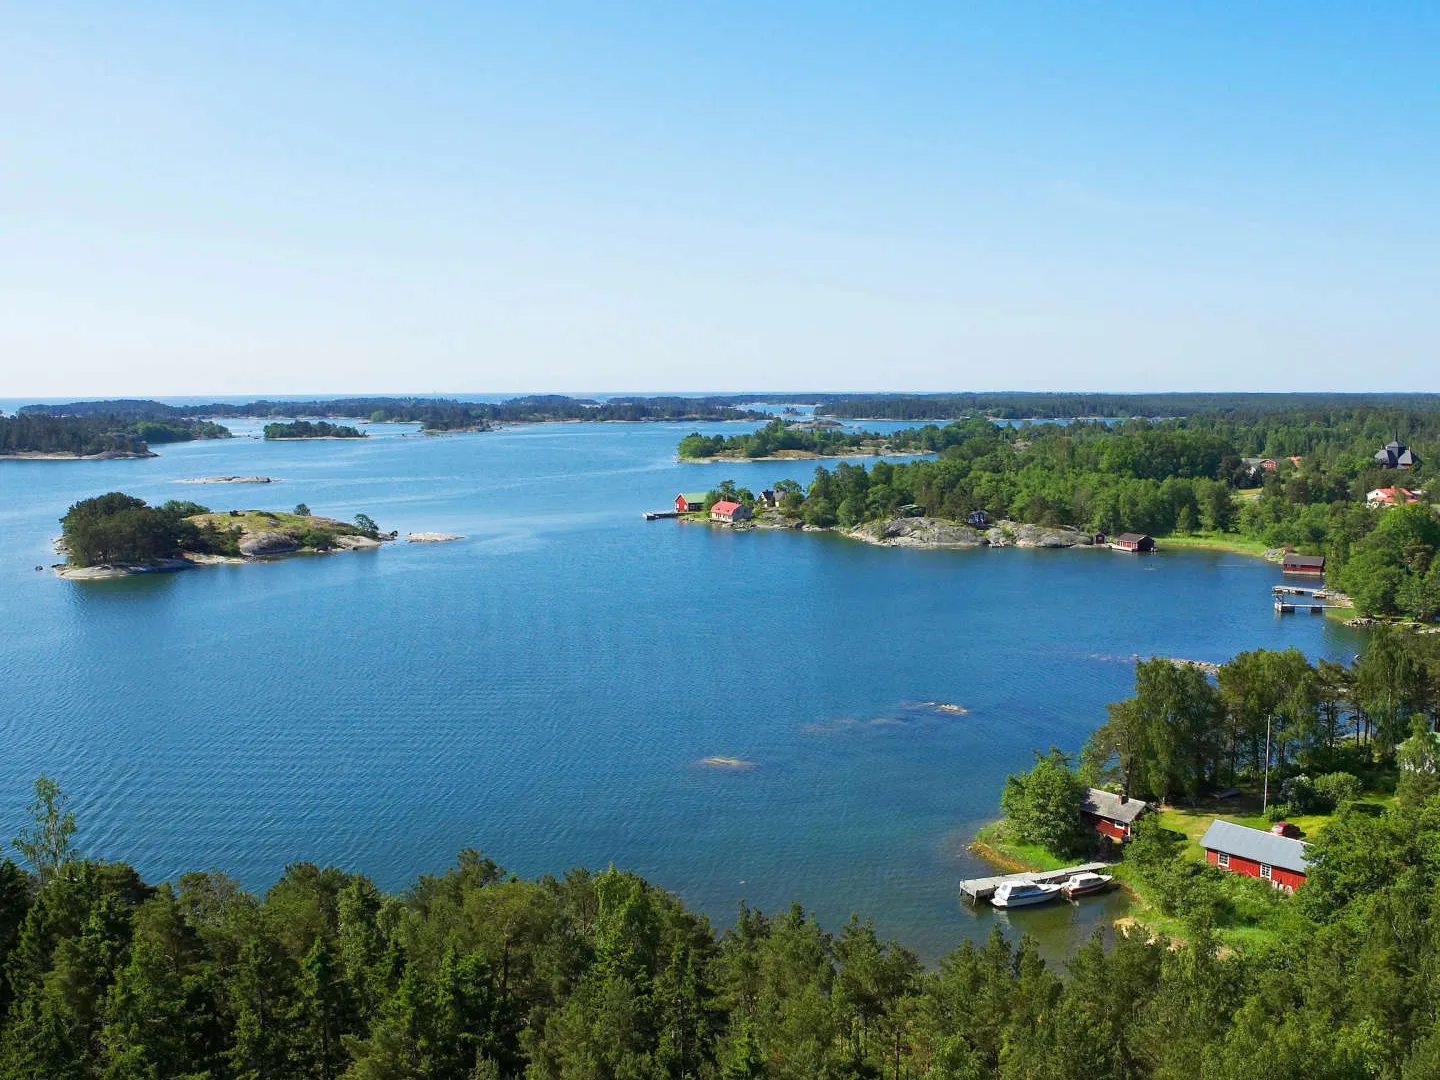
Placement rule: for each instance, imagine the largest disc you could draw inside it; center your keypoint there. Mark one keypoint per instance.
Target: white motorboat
(1084, 884)
(1023, 893)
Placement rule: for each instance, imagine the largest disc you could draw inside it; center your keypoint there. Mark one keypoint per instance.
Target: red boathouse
(1111, 815)
(1240, 850)
(1134, 542)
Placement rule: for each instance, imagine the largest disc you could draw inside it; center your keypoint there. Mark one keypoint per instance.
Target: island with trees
(432, 414)
(802, 439)
(1248, 482)
(307, 429)
(116, 534)
(45, 437)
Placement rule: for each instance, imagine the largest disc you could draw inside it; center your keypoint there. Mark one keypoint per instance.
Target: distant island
(46, 437)
(806, 439)
(433, 414)
(306, 429)
(117, 534)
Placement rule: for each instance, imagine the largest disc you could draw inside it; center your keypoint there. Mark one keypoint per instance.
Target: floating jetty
(1287, 607)
(656, 515)
(982, 888)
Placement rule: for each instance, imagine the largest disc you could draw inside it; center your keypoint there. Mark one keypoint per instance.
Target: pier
(656, 515)
(1288, 607)
(982, 888)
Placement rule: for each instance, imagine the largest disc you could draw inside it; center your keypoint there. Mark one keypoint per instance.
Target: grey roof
(1130, 538)
(1295, 559)
(1262, 847)
(1108, 806)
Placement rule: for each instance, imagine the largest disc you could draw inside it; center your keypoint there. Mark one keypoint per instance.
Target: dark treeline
(599, 976)
(1175, 477)
(308, 429)
(778, 436)
(1060, 406)
(120, 528)
(89, 435)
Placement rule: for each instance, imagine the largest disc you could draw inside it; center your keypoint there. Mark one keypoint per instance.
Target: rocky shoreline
(926, 532)
(104, 455)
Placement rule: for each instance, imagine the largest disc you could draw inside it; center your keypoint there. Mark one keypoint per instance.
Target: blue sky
(353, 197)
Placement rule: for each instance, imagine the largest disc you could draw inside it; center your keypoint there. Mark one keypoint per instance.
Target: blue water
(546, 689)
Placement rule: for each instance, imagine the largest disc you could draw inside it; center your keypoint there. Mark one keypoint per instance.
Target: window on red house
(1265, 871)
(1223, 861)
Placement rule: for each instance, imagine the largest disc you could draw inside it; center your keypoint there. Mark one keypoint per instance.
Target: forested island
(1252, 482)
(307, 429)
(115, 534)
(475, 973)
(1043, 405)
(41, 435)
(433, 414)
(792, 439)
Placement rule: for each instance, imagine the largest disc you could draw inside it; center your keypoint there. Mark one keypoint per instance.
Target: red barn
(689, 502)
(1111, 815)
(1277, 859)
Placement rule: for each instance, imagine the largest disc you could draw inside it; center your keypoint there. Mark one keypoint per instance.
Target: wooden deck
(982, 888)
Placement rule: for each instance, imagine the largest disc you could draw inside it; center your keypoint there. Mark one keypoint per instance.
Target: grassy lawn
(1215, 542)
(258, 521)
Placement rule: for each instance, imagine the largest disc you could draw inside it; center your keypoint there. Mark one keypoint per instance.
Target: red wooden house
(1111, 815)
(1265, 855)
(689, 502)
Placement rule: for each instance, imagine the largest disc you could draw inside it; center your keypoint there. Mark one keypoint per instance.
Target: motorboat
(1084, 884)
(1023, 893)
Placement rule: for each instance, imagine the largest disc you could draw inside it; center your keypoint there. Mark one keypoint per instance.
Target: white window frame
(1267, 871)
(1222, 860)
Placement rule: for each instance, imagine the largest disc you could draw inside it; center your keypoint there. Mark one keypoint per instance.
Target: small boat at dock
(1024, 893)
(1085, 884)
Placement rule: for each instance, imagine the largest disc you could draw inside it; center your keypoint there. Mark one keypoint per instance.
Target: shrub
(1336, 789)
(1299, 793)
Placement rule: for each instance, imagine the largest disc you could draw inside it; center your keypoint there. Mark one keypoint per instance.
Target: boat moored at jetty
(1024, 893)
(1085, 884)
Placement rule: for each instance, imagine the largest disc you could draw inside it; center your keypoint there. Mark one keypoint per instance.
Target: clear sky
(358, 197)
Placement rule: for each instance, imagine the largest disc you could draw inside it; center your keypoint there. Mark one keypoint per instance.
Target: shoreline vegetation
(118, 535)
(1193, 482)
(1337, 747)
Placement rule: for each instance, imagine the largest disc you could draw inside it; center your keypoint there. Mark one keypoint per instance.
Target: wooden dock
(656, 515)
(1285, 607)
(982, 888)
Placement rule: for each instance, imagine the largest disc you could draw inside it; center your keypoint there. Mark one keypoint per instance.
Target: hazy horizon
(268, 199)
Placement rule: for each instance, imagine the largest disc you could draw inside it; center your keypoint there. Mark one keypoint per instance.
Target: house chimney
(1124, 798)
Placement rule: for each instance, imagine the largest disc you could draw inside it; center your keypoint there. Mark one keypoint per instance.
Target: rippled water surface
(548, 688)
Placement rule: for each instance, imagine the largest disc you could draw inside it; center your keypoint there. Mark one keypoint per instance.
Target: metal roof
(1294, 559)
(1130, 538)
(1104, 804)
(1261, 847)
(694, 496)
(724, 506)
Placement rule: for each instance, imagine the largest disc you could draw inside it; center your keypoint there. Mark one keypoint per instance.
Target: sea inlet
(549, 689)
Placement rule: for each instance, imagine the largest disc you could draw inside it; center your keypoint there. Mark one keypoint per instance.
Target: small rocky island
(117, 535)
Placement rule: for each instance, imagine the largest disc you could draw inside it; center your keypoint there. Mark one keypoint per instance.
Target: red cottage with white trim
(1265, 855)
